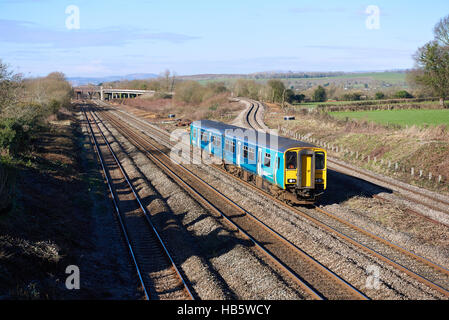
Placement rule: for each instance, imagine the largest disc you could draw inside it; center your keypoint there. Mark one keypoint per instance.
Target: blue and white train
(293, 171)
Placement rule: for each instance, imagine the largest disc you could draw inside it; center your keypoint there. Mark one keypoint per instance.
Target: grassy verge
(48, 226)
(422, 117)
(422, 148)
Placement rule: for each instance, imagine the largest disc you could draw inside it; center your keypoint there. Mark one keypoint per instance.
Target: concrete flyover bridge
(97, 92)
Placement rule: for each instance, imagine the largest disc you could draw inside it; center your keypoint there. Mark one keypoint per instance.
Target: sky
(118, 37)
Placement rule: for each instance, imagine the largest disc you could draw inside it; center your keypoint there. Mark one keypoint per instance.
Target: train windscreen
(291, 160)
(319, 160)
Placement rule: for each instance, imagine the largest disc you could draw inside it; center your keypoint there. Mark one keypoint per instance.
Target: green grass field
(432, 117)
(388, 77)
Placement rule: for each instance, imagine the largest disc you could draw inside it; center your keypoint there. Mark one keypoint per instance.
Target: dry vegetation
(424, 148)
(40, 187)
(191, 101)
(26, 106)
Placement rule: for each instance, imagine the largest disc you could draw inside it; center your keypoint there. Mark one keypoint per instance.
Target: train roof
(252, 136)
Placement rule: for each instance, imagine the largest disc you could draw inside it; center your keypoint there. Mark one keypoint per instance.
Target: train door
(259, 161)
(276, 167)
(306, 166)
(211, 140)
(239, 147)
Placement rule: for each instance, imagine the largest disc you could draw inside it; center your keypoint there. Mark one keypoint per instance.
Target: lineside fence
(393, 167)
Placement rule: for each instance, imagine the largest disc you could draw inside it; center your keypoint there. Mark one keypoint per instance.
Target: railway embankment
(412, 154)
(59, 222)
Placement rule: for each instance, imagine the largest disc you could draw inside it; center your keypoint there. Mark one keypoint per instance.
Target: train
(292, 171)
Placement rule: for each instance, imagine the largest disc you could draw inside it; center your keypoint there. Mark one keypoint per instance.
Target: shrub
(355, 96)
(12, 136)
(379, 96)
(403, 94)
(193, 92)
(6, 184)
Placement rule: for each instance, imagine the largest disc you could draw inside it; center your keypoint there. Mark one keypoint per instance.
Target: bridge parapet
(108, 93)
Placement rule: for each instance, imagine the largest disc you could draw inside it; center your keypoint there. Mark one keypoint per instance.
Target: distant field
(393, 78)
(390, 77)
(401, 117)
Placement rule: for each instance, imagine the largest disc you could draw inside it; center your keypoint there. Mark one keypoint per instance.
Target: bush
(403, 94)
(15, 135)
(11, 134)
(356, 96)
(6, 184)
(379, 96)
(193, 92)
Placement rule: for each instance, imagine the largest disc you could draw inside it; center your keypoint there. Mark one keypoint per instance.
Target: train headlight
(319, 180)
(291, 180)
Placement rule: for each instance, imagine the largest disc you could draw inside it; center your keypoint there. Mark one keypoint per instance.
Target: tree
(319, 95)
(10, 87)
(433, 69)
(168, 79)
(189, 92)
(277, 90)
(432, 62)
(441, 31)
(289, 95)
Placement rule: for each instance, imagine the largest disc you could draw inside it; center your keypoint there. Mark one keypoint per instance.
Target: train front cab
(305, 171)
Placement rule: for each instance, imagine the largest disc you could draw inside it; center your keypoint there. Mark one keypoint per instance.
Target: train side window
(319, 160)
(204, 137)
(233, 146)
(245, 152)
(292, 160)
(267, 160)
(217, 141)
(194, 133)
(251, 154)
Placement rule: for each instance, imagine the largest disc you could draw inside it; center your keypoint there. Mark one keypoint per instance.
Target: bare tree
(10, 85)
(173, 78)
(441, 31)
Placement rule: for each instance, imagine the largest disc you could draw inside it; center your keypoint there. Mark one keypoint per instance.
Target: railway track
(420, 268)
(415, 266)
(317, 281)
(253, 116)
(158, 274)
